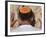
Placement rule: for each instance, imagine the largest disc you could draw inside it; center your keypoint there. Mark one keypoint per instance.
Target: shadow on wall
(11, 36)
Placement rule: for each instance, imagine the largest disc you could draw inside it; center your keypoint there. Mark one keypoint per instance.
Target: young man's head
(26, 13)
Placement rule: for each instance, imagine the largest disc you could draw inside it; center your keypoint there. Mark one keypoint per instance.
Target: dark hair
(28, 16)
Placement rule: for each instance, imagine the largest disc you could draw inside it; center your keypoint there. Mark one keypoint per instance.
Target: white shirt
(23, 28)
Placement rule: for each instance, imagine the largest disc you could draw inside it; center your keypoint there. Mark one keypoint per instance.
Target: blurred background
(37, 10)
